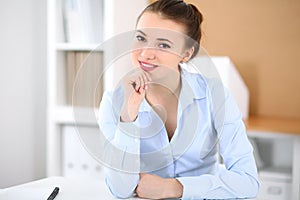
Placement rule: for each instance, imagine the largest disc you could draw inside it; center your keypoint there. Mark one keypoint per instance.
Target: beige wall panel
(263, 40)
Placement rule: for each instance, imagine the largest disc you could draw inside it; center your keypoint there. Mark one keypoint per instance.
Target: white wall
(124, 20)
(22, 91)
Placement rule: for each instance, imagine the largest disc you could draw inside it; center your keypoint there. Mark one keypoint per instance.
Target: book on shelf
(84, 78)
(83, 21)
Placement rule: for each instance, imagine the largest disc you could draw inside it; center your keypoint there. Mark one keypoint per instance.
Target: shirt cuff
(198, 187)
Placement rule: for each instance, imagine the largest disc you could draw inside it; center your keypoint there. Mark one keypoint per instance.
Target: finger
(144, 81)
(137, 84)
(133, 85)
(141, 90)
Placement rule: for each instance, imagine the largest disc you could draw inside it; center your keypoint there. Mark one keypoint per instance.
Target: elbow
(255, 189)
(121, 185)
(121, 194)
(122, 191)
(248, 187)
(252, 188)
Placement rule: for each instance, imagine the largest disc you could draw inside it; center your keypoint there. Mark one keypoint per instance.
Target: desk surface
(69, 189)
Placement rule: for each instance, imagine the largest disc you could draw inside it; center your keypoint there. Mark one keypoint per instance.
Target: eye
(164, 46)
(140, 38)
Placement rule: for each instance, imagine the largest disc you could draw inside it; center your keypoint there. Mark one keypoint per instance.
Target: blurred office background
(22, 91)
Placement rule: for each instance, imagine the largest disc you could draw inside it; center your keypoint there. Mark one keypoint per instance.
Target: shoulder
(113, 95)
(195, 80)
(112, 100)
(209, 85)
(202, 84)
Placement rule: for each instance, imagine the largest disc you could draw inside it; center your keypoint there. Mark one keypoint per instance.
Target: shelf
(273, 125)
(267, 134)
(283, 173)
(78, 47)
(270, 137)
(84, 116)
(102, 19)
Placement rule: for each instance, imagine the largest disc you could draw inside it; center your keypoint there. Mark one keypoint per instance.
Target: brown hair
(183, 13)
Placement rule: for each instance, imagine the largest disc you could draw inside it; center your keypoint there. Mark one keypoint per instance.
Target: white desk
(69, 189)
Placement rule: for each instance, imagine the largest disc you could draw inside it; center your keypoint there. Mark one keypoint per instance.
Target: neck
(169, 88)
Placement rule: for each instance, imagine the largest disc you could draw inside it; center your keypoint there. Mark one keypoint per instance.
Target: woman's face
(159, 45)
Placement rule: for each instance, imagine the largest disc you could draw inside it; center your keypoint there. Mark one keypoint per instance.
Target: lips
(147, 66)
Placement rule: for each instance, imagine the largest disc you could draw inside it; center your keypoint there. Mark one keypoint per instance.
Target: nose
(148, 53)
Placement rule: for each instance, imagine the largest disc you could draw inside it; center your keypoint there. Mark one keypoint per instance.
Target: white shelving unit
(64, 152)
(77, 47)
(277, 149)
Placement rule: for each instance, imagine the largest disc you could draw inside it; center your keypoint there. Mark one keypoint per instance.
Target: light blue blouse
(209, 131)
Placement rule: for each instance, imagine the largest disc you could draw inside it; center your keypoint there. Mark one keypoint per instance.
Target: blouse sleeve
(239, 179)
(121, 151)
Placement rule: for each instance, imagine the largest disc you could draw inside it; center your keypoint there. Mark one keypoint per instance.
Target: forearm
(128, 113)
(121, 148)
(123, 162)
(227, 185)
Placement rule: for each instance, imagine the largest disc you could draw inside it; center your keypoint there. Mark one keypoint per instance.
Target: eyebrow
(164, 40)
(141, 32)
(159, 39)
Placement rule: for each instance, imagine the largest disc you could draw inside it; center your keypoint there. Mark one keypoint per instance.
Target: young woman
(164, 123)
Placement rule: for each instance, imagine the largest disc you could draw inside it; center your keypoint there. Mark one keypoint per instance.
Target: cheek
(171, 60)
(134, 57)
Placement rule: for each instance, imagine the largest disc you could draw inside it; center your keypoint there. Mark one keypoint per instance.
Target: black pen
(53, 194)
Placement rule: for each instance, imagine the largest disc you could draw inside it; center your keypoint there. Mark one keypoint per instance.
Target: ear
(188, 54)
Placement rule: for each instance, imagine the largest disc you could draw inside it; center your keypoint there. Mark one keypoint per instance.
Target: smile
(147, 66)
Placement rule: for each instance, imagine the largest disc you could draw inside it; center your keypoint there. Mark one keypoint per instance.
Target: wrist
(127, 115)
(124, 118)
(174, 188)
